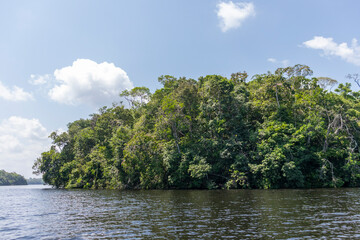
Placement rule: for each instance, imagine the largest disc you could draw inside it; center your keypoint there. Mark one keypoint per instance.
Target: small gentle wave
(43, 213)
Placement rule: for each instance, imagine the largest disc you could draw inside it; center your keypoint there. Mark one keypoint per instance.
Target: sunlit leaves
(279, 130)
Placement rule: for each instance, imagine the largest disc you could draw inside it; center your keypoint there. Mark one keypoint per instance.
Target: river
(39, 212)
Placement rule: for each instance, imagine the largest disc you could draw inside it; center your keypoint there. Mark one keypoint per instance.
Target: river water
(39, 212)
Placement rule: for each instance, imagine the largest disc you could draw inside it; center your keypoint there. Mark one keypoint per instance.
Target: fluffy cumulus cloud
(329, 47)
(14, 94)
(232, 15)
(86, 81)
(21, 141)
(282, 63)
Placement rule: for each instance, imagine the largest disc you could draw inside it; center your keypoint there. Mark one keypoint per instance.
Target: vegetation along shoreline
(278, 130)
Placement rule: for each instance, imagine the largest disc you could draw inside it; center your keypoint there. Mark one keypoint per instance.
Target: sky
(62, 60)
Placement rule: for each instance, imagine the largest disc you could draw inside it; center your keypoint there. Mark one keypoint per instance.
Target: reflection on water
(28, 212)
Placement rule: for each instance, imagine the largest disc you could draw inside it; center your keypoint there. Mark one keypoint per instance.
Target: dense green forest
(11, 179)
(275, 130)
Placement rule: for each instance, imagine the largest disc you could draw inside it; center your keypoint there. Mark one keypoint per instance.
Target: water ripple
(36, 213)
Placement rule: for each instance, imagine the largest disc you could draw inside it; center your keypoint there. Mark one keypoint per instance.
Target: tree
(277, 130)
(11, 179)
(137, 96)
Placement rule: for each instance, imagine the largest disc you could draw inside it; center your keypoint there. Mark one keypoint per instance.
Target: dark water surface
(37, 212)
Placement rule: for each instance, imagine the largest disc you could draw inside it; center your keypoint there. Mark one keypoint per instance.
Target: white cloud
(22, 140)
(232, 15)
(14, 94)
(39, 79)
(282, 63)
(29, 128)
(9, 144)
(86, 81)
(350, 54)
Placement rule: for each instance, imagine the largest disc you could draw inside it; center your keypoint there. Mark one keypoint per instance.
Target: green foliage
(278, 130)
(11, 179)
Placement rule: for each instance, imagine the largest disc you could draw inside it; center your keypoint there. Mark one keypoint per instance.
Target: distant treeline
(11, 179)
(277, 130)
(31, 181)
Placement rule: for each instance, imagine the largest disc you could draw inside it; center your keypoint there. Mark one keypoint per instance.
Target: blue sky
(62, 60)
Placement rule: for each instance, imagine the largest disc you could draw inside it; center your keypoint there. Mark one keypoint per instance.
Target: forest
(282, 129)
(11, 179)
